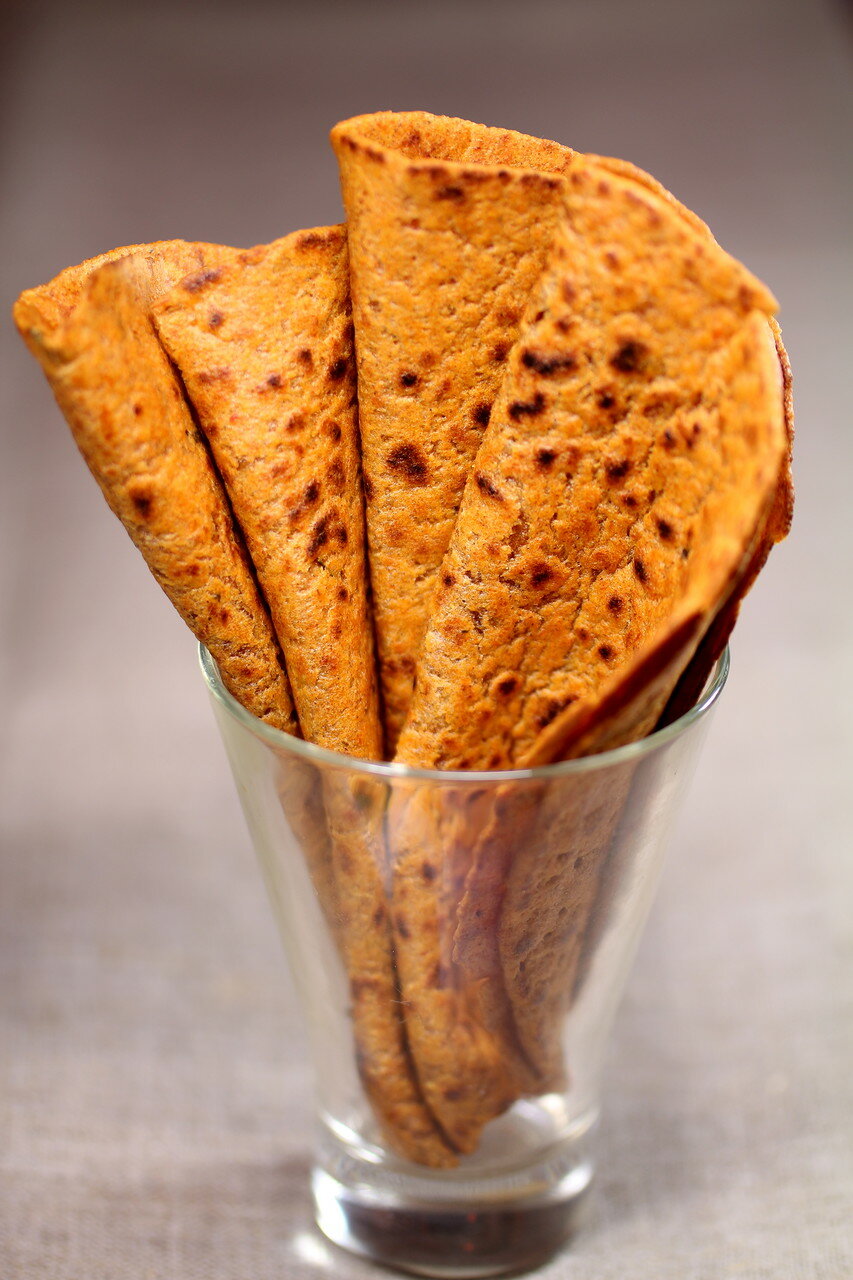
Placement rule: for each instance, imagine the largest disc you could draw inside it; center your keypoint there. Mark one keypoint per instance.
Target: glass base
(457, 1225)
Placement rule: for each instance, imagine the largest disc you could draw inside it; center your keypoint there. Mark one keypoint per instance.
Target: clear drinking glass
(459, 943)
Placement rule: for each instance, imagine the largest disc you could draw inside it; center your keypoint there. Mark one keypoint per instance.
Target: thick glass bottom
(467, 1224)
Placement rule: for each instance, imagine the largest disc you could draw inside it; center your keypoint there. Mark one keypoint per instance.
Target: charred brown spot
(311, 494)
(605, 651)
(629, 358)
(333, 431)
(507, 686)
(305, 357)
(143, 501)
(616, 470)
(569, 292)
(224, 614)
(337, 475)
(360, 986)
(338, 369)
(194, 283)
(527, 408)
(615, 604)
(499, 352)
(342, 535)
(310, 240)
(137, 410)
(367, 485)
(319, 536)
(540, 573)
(215, 319)
(544, 458)
(606, 400)
(668, 439)
(453, 1094)
(611, 258)
(343, 594)
(428, 871)
(549, 363)
(487, 486)
(402, 927)
(408, 379)
(213, 375)
(295, 422)
(409, 461)
(448, 579)
(450, 192)
(630, 500)
(481, 414)
(274, 380)
(496, 760)
(640, 569)
(665, 530)
(552, 709)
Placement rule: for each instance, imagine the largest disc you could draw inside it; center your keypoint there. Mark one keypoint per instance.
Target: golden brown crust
(163, 263)
(264, 347)
(126, 410)
(449, 223)
(608, 453)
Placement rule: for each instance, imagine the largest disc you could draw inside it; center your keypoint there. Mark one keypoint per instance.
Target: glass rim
(389, 770)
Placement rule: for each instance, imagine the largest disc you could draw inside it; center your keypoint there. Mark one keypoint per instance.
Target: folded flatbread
(92, 333)
(449, 223)
(264, 348)
(621, 488)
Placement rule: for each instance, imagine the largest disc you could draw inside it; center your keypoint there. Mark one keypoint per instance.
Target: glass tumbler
(459, 943)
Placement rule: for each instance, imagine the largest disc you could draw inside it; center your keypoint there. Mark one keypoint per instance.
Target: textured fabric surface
(154, 1084)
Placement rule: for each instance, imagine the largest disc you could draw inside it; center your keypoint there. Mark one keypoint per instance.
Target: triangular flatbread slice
(624, 472)
(92, 334)
(264, 347)
(449, 223)
(631, 458)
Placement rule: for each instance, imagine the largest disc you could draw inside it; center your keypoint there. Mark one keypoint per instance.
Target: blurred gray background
(154, 1092)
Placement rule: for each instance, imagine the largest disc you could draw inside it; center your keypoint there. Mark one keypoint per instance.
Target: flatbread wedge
(449, 223)
(264, 348)
(94, 339)
(621, 485)
(626, 460)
